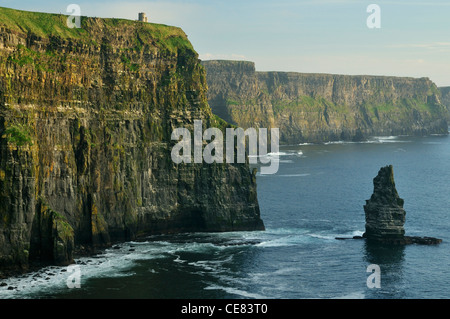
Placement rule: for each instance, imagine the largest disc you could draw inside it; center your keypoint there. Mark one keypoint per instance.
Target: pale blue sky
(323, 36)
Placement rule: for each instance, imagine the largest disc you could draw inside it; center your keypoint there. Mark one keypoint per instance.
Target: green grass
(402, 105)
(50, 24)
(169, 37)
(25, 56)
(23, 60)
(220, 123)
(39, 23)
(232, 102)
(18, 135)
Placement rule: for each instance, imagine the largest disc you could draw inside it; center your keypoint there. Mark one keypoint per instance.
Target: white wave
(113, 262)
(24, 286)
(284, 239)
(388, 139)
(275, 243)
(212, 265)
(392, 137)
(357, 233)
(179, 260)
(352, 295)
(320, 236)
(203, 264)
(273, 154)
(55, 278)
(372, 140)
(286, 270)
(278, 154)
(236, 291)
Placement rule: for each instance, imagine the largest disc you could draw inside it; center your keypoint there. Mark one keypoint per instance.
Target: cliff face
(323, 107)
(445, 98)
(86, 117)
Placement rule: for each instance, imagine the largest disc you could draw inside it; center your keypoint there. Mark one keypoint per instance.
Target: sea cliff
(445, 98)
(324, 107)
(86, 116)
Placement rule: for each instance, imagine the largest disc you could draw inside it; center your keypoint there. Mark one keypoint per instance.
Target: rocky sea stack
(385, 216)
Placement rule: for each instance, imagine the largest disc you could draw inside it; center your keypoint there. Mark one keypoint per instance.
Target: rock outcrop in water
(385, 216)
(384, 211)
(324, 107)
(86, 117)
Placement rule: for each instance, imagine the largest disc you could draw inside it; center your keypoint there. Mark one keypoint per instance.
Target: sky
(310, 36)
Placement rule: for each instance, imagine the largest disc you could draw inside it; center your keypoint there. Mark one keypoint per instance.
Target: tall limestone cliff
(86, 116)
(323, 107)
(445, 98)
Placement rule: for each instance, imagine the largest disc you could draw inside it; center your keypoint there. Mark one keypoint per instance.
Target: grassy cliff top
(49, 24)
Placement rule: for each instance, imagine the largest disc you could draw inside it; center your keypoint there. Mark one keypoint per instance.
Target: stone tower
(142, 17)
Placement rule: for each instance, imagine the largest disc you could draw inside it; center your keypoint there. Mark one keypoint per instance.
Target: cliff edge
(86, 117)
(445, 98)
(324, 107)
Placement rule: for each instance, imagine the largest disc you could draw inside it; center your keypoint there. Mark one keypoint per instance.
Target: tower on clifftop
(142, 17)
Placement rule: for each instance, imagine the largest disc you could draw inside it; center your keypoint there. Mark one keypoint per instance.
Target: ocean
(317, 194)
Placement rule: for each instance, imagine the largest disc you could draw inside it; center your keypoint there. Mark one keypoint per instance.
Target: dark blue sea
(318, 194)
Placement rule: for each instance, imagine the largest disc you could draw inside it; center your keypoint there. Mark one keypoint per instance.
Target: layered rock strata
(86, 117)
(385, 215)
(445, 98)
(324, 107)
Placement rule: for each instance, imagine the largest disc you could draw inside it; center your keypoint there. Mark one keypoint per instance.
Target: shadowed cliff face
(445, 98)
(86, 117)
(323, 107)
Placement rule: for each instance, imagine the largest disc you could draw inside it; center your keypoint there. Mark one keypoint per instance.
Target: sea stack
(385, 216)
